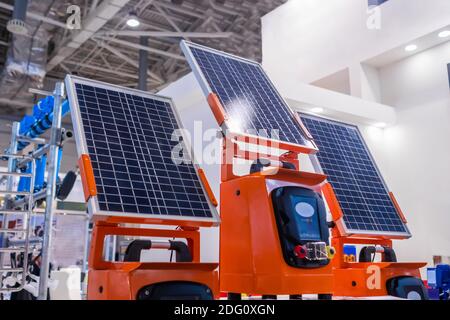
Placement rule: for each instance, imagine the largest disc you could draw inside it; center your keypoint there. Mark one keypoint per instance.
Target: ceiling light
(380, 125)
(444, 34)
(317, 110)
(411, 47)
(17, 24)
(133, 20)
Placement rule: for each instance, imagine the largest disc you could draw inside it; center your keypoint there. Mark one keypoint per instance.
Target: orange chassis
(363, 279)
(109, 280)
(123, 280)
(251, 258)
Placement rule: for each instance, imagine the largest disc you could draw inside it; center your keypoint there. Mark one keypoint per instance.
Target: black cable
(171, 251)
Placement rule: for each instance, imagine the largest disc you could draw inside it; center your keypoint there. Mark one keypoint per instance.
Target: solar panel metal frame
(81, 145)
(318, 168)
(186, 48)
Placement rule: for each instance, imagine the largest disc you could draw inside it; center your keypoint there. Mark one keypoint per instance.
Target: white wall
(193, 108)
(306, 40)
(414, 154)
(416, 151)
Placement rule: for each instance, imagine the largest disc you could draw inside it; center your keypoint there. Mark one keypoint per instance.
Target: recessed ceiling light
(444, 34)
(133, 20)
(317, 110)
(380, 125)
(411, 47)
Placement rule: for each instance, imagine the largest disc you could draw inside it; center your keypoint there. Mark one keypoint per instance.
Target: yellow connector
(330, 252)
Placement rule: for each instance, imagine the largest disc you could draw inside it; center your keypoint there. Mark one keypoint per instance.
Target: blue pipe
(39, 179)
(41, 120)
(34, 126)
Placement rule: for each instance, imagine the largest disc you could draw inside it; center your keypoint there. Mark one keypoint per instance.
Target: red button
(300, 252)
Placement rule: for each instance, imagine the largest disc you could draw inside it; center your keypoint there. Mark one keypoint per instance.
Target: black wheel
(269, 297)
(407, 288)
(234, 296)
(325, 296)
(23, 295)
(176, 290)
(295, 297)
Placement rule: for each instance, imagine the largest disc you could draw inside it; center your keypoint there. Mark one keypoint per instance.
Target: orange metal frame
(358, 279)
(251, 258)
(122, 280)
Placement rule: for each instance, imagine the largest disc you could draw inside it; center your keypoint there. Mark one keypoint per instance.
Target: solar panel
(128, 137)
(251, 102)
(362, 194)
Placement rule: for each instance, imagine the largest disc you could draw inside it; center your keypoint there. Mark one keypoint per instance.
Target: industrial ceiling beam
(127, 59)
(140, 47)
(35, 16)
(166, 34)
(106, 70)
(168, 19)
(97, 50)
(102, 14)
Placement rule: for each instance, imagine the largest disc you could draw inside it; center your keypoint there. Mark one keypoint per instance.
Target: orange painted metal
(362, 279)
(251, 258)
(304, 129)
(87, 176)
(207, 187)
(156, 221)
(123, 280)
(291, 157)
(231, 150)
(332, 202)
(270, 143)
(357, 279)
(367, 279)
(217, 108)
(397, 207)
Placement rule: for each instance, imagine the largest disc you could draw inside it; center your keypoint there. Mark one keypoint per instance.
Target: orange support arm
(87, 176)
(397, 207)
(332, 202)
(208, 189)
(217, 108)
(302, 126)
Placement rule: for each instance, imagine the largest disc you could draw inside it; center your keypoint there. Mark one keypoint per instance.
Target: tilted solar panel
(355, 178)
(128, 137)
(251, 102)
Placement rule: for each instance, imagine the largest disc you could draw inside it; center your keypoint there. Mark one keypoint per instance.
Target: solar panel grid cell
(355, 178)
(252, 103)
(129, 140)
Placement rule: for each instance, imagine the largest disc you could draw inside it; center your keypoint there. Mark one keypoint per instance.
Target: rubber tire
(22, 295)
(234, 296)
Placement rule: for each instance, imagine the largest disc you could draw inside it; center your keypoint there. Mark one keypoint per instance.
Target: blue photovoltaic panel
(250, 100)
(359, 188)
(128, 136)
